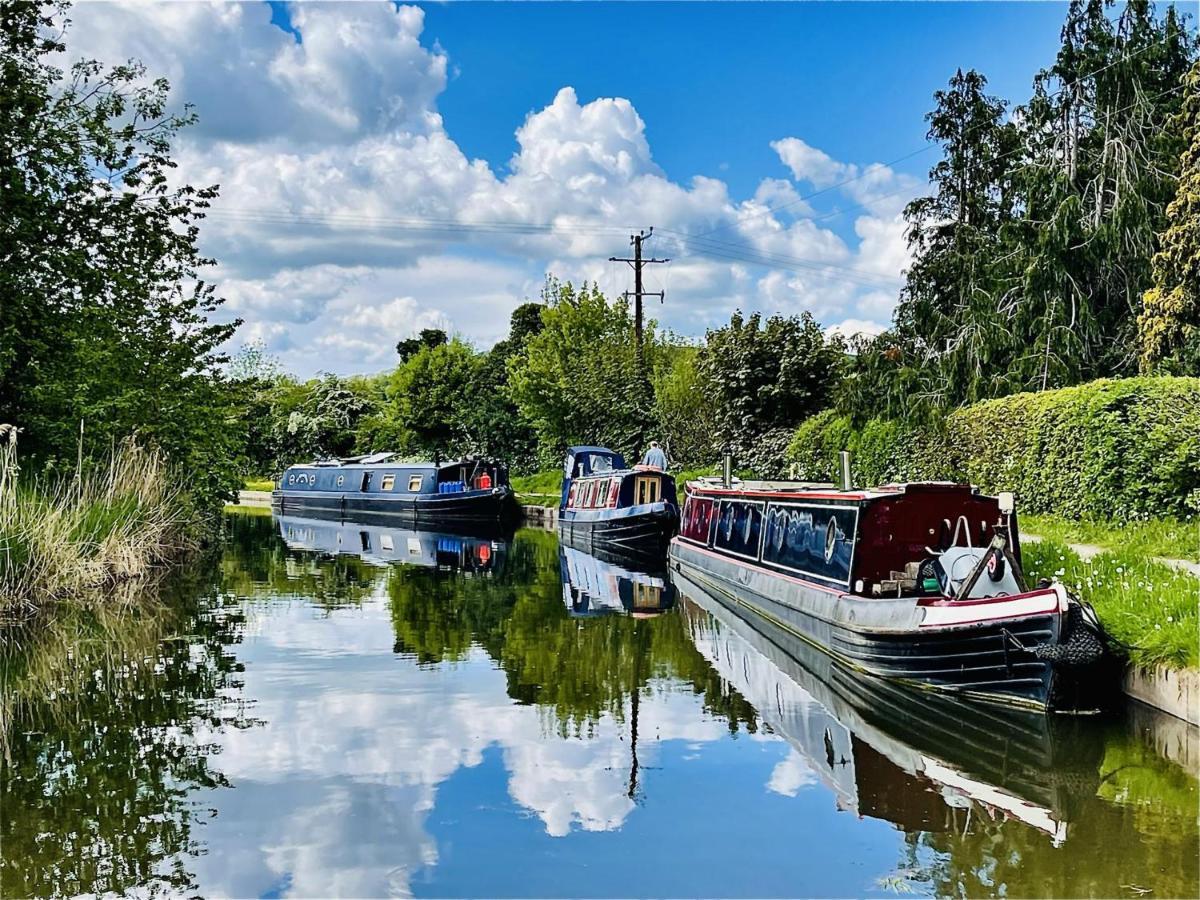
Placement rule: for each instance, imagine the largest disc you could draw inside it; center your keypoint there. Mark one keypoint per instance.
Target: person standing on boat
(655, 457)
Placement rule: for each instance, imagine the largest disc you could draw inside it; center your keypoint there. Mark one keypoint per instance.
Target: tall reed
(114, 521)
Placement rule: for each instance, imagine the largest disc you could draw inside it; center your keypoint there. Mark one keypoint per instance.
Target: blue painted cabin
(423, 491)
(606, 505)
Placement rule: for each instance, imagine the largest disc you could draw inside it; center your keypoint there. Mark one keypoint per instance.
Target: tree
(684, 407)
(429, 337)
(428, 394)
(104, 315)
(576, 380)
(1169, 326)
(766, 378)
(950, 308)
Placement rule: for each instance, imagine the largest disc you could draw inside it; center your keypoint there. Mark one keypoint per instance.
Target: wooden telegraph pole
(639, 262)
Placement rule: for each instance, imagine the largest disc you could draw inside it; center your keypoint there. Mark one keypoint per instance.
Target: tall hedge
(1111, 449)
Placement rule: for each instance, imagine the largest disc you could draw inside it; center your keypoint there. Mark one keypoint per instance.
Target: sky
(386, 168)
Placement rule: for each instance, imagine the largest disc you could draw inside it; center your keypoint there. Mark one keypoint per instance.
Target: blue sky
(386, 168)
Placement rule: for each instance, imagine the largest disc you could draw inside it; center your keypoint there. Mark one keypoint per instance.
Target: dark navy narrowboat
(606, 505)
(920, 583)
(422, 491)
(480, 550)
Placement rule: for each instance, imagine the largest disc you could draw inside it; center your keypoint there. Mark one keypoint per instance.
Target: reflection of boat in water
(479, 549)
(597, 583)
(920, 760)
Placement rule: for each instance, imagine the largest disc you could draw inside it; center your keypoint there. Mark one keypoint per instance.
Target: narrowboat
(383, 544)
(923, 761)
(599, 584)
(468, 489)
(918, 583)
(606, 505)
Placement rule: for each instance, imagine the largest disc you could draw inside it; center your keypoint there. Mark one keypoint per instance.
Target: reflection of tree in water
(104, 746)
(580, 668)
(1131, 825)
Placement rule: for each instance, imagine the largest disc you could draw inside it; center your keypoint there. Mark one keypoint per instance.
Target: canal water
(325, 710)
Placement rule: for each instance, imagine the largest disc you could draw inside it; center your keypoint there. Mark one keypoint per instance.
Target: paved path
(1088, 551)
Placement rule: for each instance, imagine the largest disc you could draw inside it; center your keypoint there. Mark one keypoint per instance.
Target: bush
(1120, 449)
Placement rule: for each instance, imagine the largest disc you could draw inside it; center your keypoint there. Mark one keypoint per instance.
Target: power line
(929, 146)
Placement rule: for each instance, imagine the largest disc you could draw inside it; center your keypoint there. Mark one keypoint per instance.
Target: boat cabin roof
(389, 460)
(587, 456)
(818, 490)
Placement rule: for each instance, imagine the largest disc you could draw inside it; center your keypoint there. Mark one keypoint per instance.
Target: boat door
(646, 489)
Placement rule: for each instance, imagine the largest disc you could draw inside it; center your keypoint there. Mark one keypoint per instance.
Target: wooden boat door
(645, 489)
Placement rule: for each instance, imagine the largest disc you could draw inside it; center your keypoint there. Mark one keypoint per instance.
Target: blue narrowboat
(606, 505)
(599, 583)
(468, 489)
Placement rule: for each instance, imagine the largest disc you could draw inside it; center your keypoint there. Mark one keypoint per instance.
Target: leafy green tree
(683, 406)
(950, 310)
(765, 379)
(576, 379)
(428, 338)
(1169, 326)
(104, 315)
(428, 394)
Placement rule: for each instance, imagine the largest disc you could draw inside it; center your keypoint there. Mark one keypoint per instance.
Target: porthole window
(830, 538)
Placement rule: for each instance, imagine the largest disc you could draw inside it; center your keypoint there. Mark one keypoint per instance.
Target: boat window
(586, 499)
(815, 540)
(697, 516)
(366, 482)
(414, 482)
(389, 482)
(614, 491)
(739, 528)
(365, 540)
(571, 495)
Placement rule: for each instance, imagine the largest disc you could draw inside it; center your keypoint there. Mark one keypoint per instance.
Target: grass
(258, 484)
(1169, 538)
(1150, 607)
(115, 522)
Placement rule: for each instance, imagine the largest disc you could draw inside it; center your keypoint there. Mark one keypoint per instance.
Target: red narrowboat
(919, 583)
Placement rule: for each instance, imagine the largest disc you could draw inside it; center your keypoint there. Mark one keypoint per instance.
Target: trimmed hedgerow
(1118, 449)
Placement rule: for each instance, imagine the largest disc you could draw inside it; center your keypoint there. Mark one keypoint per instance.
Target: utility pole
(638, 262)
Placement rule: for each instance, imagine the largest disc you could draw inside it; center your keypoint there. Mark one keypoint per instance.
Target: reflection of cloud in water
(356, 742)
(790, 774)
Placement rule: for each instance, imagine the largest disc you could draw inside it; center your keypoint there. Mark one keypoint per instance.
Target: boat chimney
(847, 483)
(727, 470)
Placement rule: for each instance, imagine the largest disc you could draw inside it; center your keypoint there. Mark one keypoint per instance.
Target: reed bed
(115, 521)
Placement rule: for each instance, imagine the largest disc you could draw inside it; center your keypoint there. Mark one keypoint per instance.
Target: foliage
(547, 483)
(1169, 326)
(104, 314)
(426, 340)
(1032, 254)
(1120, 449)
(1148, 606)
(765, 379)
(115, 522)
(684, 409)
(576, 380)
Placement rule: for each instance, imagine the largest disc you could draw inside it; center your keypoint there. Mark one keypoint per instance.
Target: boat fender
(1084, 643)
(995, 566)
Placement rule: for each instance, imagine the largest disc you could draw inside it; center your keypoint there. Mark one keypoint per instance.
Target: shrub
(1121, 449)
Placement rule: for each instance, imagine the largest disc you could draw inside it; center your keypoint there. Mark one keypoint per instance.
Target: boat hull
(980, 661)
(637, 532)
(496, 504)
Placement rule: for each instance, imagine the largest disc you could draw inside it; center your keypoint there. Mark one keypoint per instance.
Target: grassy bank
(1148, 606)
(1170, 538)
(258, 484)
(115, 522)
